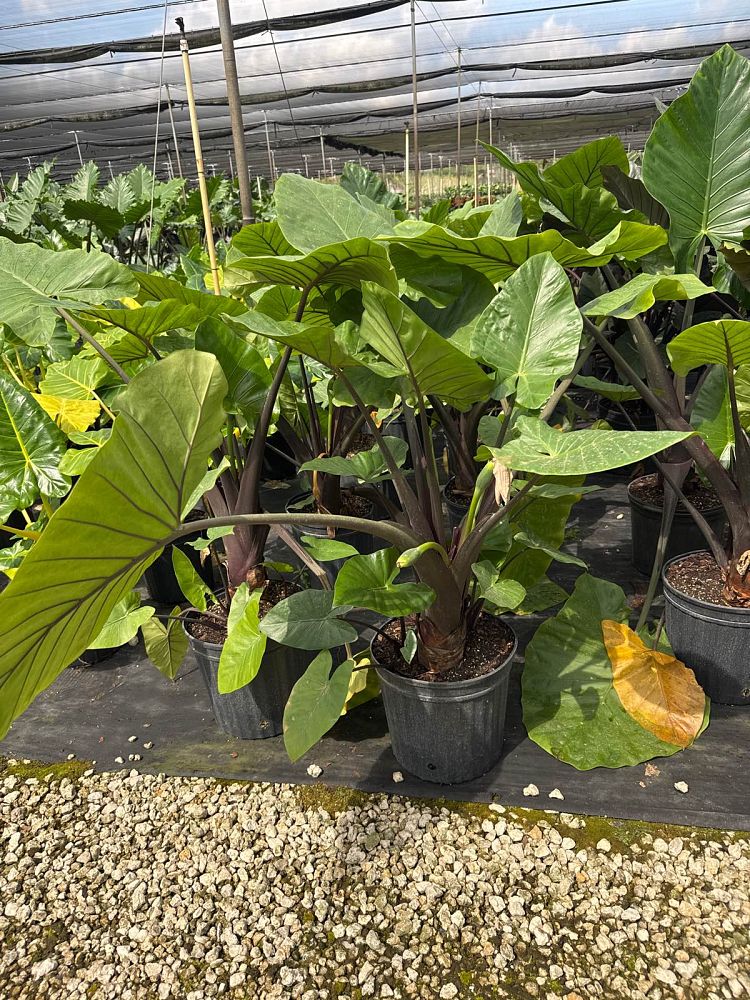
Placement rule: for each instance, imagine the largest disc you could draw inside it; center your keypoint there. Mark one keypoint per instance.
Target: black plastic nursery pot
(456, 504)
(363, 542)
(685, 536)
(255, 711)
(161, 582)
(447, 732)
(712, 639)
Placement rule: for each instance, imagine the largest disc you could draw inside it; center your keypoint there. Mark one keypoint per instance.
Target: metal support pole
(260, 190)
(322, 151)
(231, 165)
(490, 163)
(406, 167)
(432, 174)
(476, 182)
(170, 165)
(174, 132)
(415, 107)
(112, 176)
(235, 109)
(185, 52)
(78, 147)
(458, 129)
(305, 157)
(268, 149)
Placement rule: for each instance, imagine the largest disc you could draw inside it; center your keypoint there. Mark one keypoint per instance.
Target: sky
(488, 31)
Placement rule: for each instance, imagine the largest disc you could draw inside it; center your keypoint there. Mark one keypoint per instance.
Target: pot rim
(464, 685)
(669, 588)
(679, 512)
(299, 496)
(193, 613)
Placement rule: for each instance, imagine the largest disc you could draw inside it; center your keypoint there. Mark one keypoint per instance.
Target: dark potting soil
(459, 499)
(649, 490)
(211, 625)
(352, 505)
(488, 645)
(698, 576)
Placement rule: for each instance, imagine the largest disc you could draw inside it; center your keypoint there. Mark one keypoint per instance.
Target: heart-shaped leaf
(656, 689)
(366, 581)
(166, 645)
(315, 704)
(126, 617)
(308, 620)
(243, 649)
(570, 706)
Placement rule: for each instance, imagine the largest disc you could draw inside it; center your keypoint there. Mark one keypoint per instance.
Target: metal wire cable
(156, 138)
(281, 74)
(91, 14)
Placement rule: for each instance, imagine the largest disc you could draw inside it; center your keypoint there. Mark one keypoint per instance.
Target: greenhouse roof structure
(103, 80)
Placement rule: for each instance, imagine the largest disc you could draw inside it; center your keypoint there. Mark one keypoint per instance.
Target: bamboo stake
(271, 175)
(490, 163)
(185, 52)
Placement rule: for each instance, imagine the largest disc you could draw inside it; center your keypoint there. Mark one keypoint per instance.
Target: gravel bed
(140, 886)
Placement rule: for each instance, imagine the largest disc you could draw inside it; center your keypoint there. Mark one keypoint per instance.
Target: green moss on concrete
(71, 769)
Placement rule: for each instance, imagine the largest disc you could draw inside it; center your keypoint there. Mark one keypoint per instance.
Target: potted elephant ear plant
(696, 163)
(445, 652)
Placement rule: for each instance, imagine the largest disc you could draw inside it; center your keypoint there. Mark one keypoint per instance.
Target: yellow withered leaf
(69, 414)
(656, 689)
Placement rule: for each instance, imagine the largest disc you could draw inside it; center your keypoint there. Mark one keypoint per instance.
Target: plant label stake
(198, 156)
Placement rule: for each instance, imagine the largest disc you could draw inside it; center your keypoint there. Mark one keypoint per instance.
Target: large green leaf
(31, 447)
(125, 618)
(366, 466)
(22, 207)
(531, 331)
(505, 218)
(33, 281)
(418, 353)
(570, 706)
(312, 214)
(632, 195)
(151, 320)
(245, 370)
(261, 239)
(347, 263)
(315, 704)
(585, 164)
(74, 379)
(697, 158)
(498, 257)
(192, 585)
(242, 652)
(106, 219)
(367, 581)
(84, 182)
(308, 620)
(156, 288)
(546, 451)
(586, 207)
(116, 521)
(640, 293)
(710, 344)
(321, 343)
(166, 645)
(712, 414)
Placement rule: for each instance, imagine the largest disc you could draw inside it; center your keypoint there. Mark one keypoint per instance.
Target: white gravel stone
(681, 786)
(314, 770)
(556, 794)
(129, 886)
(531, 790)
(397, 777)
